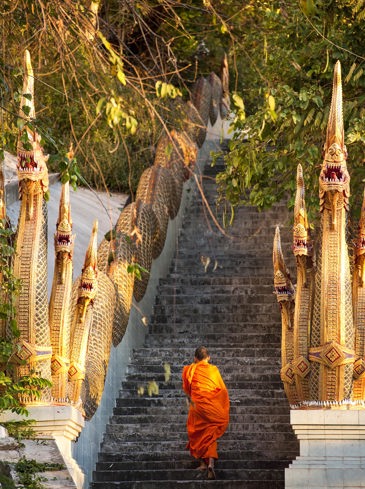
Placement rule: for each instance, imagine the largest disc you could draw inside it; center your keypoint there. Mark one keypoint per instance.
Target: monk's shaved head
(201, 353)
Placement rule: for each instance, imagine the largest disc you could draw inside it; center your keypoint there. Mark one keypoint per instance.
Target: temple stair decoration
(218, 293)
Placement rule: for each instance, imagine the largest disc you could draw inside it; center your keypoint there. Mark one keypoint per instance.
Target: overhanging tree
(287, 53)
(96, 65)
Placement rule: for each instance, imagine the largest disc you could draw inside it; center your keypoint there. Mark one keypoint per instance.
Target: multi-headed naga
(323, 318)
(68, 339)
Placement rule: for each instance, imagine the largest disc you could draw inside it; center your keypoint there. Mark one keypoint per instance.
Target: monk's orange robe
(208, 416)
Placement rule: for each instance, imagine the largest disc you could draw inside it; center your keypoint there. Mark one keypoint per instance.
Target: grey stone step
(209, 279)
(188, 463)
(228, 270)
(228, 366)
(250, 246)
(229, 298)
(244, 411)
(183, 456)
(250, 231)
(171, 290)
(184, 358)
(232, 377)
(170, 402)
(253, 227)
(173, 388)
(187, 475)
(169, 388)
(194, 328)
(187, 310)
(215, 317)
(196, 484)
(251, 351)
(177, 430)
(236, 337)
(179, 417)
(186, 352)
(228, 369)
(267, 443)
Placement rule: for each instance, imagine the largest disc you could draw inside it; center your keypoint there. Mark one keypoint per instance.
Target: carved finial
(299, 198)
(335, 129)
(27, 98)
(88, 283)
(65, 206)
(63, 238)
(91, 252)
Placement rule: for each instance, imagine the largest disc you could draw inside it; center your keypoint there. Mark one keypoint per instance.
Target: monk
(208, 409)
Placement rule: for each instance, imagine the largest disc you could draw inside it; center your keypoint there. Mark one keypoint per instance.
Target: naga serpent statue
(67, 340)
(323, 317)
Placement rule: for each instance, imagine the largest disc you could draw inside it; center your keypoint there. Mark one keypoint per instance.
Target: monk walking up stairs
(218, 294)
(208, 409)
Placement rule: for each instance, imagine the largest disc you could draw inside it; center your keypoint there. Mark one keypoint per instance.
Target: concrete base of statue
(332, 449)
(60, 423)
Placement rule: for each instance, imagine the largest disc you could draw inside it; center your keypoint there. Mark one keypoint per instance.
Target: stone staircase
(227, 305)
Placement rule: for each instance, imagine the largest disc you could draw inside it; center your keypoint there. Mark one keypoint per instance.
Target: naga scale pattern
(68, 340)
(323, 318)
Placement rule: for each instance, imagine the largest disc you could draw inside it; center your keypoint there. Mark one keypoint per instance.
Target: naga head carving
(284, 289)
(89, 275)
(302, 245)
(334, 176)
(64, 239)
(32, 163)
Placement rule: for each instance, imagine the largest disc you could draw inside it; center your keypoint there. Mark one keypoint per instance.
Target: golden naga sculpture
(323, 322)
(31, 242)
(59, 316)
(68, 339)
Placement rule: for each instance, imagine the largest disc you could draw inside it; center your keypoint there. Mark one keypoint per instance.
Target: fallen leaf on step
(205, 261)
(145, 321)
(167, 369)
(152, 388)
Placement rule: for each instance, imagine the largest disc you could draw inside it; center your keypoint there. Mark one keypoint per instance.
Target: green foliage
(167, 90)
(28, 472)
(69, 170)
(136, 269)
(26, 385)
(20, 430)
(6, 482)
(102, 81)
(287, 54)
